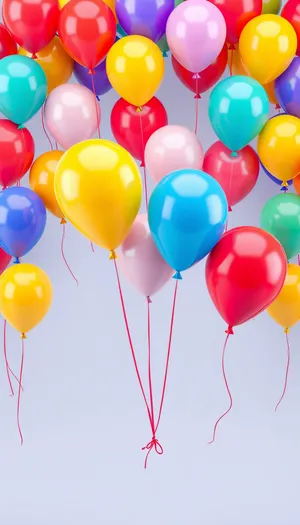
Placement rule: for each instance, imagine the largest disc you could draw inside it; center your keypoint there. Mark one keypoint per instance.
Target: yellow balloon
(41, 179)
(285, 310)
(278, 147)
(55, 61)
(135, 68)
(25, 296)
(110, 3)
(267, 45)
(99, 189)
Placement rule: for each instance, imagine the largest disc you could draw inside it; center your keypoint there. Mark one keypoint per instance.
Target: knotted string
(23, 337)
(143, 161)
(288, 361)
(44, 126)
(96, 103)
(62, 249)
(229, 332)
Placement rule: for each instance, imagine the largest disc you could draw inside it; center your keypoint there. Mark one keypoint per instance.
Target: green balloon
(271, 7)
(281, 217)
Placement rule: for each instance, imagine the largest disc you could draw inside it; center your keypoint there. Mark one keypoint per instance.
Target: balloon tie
(165, 54)
(17, 260)
(44, 126)
(98, 98)
(144, 167)
(92, 247)
(233, 154)
(284, 184)
(196, 76)
(139, 109)
(91, 71)
(34, 56)
(62, 249)
(177, 276)
(229, 332)
(277, 106)
(23, 337)
(197, 98)
(287, 369)
(63, 221)
(96, 105)
(21, 126)
(229, 208)
(112, 255)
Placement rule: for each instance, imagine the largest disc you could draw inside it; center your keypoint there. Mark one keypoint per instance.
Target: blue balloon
(287, 89)
(187, 216)
(277, 181)
(22, 220)
(238, 110)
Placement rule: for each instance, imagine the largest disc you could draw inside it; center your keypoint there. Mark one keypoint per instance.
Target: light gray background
(83, 418)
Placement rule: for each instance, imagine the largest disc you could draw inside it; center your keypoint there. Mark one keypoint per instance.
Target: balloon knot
(196, 75)
(63, 221)
(148, 299)
(165, 54)
(286, 330)
(277, 106)
(91, 71)
(34, 56)
(23, 335)
(229, 330)
(178, 276)
(231, 47)
(154, 443)
(234, 154)
(229, 208)
(98, 98)
(17, 260)
(142, 165)
(112, 255)
(139, 109)
(284, 184)
(197, 96)
(21, 126)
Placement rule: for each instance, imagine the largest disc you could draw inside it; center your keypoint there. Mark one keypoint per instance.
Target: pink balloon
(71, 114)
(140, 260)
(237, 175)
(172, 148)
(196, 33)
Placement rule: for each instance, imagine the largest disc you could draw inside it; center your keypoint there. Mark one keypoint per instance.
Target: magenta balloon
(140, 260)
(71, 114)
(172, 148)
(196, 32)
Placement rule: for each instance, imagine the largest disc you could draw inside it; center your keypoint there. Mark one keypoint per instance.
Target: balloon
(17, 152)
(23, 88)
(296, 182)
(237, 175)
(110, 3)
(187, 216)
(142, 69)
(141, 262)
(41, 179)
(87, 29)
(172, 148)
(55, 62)
(147, 19)
(244, 273)
(7, 44)
(285, 310)
(5, 259)
(99, 189)
(262, 50)
(288, 89)
(25, 296)
(132, 129)
(196, 33)
(237, 13)
(71, 114)
(271, 7)
(280, 216)
(277, 181)
(32, 24)
(22, 220)
(233, 100)
(208, 78)
(291, 12)
(278, 147)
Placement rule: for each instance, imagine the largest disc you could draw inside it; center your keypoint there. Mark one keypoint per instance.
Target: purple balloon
(102, 84)
(144, 17)
(287, 88)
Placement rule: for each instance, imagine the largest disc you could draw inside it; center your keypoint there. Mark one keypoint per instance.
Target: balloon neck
(139, 109)
(165, 54)
(34, 56)
(21, 126)
(231, 47)
(142, 165)
(17, 260)
(229, 330)
(197, 96)
(23, 335)
(148, 299)
(234, 154)
(112, 255)
(177, 276)
(91, 71)
(4, 188)
(277, 106)
(284, 189)
(196, 76)
(229, 208)
(98, 98)
(286, 330)
(63, 221)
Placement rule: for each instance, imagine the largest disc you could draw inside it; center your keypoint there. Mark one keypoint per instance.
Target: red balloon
(237, 14)
(4, 260)
(237, 175)
(17, 152)
(209, 76)
(7, 45)
(245, 272)
(291, 12)
(93, 31)
(32, 24)
(133, 129)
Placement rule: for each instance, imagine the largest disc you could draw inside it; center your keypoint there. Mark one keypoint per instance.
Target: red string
(92, 247)
(62, 249)
(56, 146)
(149, 361)
(288, 361)
(44, 126)
(197, 98)
(96, 104)
(298, 260)
(20, 389)
(231, 60)
(143, 165)
(9, 371)
(229, 332)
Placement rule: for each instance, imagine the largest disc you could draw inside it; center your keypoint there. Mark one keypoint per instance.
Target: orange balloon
(41, 179)
(296, 182)
(55, 61)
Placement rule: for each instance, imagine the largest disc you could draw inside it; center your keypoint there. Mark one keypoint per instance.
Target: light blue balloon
(187, 216)
(23, 88)
(238, 110)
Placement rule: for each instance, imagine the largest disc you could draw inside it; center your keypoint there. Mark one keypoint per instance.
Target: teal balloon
(238, 110)
(281, 217)
(23, 88)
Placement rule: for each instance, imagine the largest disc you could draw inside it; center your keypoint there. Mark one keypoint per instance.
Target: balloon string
(197, 98)
(231, 60)
(44, 126)
(288, 361)
(62, 249)
(6, 359)
(298, 260)
(96, 105)
(18, 184)
(229, 332)
(20, 390)
(143, 160)
(92, 247)
(149, 360)
(56, 146)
